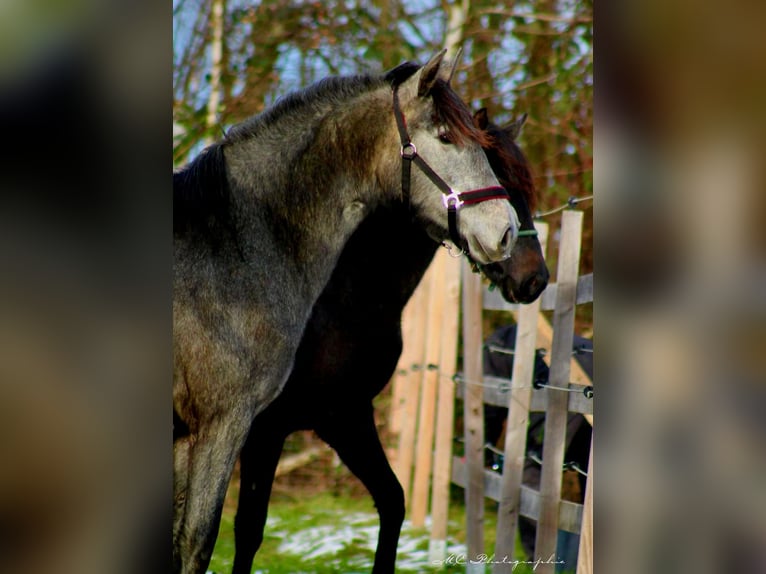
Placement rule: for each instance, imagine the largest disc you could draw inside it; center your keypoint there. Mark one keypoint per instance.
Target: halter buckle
(452, 200)
(408, 150)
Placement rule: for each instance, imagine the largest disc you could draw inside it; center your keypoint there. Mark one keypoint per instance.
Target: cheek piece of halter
(452, 200)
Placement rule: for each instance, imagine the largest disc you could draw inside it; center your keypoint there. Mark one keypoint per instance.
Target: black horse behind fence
(578, 435)
(260, 219)
(351, 346)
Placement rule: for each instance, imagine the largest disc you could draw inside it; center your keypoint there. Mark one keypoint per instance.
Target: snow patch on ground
(361, 530)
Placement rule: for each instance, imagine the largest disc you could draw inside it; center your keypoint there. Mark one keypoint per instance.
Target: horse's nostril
(532, 287)
(507, 242)
(536, 284)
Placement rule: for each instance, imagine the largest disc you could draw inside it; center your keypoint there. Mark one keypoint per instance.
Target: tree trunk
(216, 69)
(456, 22)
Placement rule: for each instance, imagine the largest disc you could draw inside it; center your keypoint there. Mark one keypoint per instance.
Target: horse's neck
(383, 262)
(303, 192)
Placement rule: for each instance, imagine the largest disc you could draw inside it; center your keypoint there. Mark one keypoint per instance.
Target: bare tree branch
(539, 16)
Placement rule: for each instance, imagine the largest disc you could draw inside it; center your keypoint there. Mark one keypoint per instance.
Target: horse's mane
(511, 167)
(450, 110)
(322, 94)
(201, 191)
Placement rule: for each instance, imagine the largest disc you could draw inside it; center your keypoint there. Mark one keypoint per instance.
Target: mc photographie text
(462, 559)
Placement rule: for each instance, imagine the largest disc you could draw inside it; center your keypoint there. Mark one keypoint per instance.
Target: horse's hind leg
(258, 465)
(205, 470)
(356, 441)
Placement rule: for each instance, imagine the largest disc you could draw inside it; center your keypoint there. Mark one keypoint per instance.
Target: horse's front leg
(355, 439)
(181, 448)
(203, 466)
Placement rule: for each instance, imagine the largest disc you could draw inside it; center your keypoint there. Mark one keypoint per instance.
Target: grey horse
(260, 219)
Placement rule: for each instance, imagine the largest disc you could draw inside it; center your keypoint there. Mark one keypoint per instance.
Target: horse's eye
(445, 138)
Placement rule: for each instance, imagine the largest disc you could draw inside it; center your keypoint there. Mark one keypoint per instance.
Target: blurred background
(681, 296)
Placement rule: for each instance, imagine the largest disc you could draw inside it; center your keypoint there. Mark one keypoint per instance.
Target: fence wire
(580, 350)
(532, 455)
(571, 202)
(502, 387)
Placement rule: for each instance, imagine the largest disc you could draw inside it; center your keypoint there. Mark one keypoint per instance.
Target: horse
(351, 347)
(578, 435)
(259, 221)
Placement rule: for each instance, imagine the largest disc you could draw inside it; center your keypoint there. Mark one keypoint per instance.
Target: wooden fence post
(557, 400)
(576, 373)
(410, 316)
(473, 417)
(430, 379)
(412, 353)
(585, 554)
(519, 401)
(445, 413)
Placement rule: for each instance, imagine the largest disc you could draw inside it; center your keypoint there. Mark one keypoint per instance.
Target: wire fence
(579, 350)
(503, 387)
(571, 203)
(532, 456)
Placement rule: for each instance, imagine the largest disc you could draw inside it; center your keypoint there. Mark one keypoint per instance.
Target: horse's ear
(453, 68)
(430, 73)
(481, 119)
(513, 129)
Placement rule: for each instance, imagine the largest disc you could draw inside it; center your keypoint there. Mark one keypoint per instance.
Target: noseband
(452, 200)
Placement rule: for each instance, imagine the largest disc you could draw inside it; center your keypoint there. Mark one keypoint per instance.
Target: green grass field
(322, 533)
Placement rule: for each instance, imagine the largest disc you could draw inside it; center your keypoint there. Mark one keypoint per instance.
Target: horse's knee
(398, 504)
(248, 527)
(391, 508)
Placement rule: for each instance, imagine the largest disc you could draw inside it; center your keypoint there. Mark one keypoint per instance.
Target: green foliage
(267, 42)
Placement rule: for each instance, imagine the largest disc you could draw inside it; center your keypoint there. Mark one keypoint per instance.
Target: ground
(330, 533)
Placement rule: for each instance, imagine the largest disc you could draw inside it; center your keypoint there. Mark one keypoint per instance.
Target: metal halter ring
(453, 197)
(408, 150)
(454, 254)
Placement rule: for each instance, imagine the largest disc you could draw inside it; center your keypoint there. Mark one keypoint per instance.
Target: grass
(325, 533)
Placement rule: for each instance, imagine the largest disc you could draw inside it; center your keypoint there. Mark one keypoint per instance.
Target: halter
(452, 200)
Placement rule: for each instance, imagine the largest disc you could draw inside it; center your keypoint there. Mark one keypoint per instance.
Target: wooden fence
(424, 393)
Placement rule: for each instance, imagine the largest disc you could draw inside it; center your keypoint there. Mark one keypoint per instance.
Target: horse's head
(523, 276)
(451, 184)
